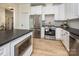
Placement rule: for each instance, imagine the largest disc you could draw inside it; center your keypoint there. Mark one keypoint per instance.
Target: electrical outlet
(22, 25)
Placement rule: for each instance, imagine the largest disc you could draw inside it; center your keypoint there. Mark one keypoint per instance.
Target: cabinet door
(60, 12)
(71, 10)
(78, 9)
(75, 10)
(63, 36)
(48, 10)
(42, 32)
(56, 12)
(58, 33)
(68, 10)
(5, 50)
(36, 10)
(2, 51)
(66, 39)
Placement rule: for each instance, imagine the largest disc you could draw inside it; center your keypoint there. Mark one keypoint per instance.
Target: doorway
(8, 20)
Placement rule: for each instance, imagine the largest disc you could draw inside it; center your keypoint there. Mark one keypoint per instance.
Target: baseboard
(65, 47)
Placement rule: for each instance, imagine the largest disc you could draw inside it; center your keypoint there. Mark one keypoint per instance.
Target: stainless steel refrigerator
(36, 26)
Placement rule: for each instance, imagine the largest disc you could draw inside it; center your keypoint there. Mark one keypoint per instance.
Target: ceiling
(43, 4)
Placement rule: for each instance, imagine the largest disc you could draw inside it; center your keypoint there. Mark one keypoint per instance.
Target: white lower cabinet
(63, 35)
(65, 39)
(42, 32)
(9, 48)
(5, 50)
(58, 34)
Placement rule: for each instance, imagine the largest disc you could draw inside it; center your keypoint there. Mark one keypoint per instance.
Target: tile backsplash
(58, 23)
(74, 24)
(71, 23)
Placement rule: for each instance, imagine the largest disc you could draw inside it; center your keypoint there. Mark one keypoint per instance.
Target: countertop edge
(14, 38)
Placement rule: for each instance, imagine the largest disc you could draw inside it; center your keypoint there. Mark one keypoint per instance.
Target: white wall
(16, 17)
(31, 22)
(4, 6)
(2, 16)
(22, 12)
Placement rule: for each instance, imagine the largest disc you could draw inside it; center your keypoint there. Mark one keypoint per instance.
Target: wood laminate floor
(43, 47)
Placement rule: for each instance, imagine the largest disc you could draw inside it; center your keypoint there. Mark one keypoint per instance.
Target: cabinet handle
(66, 33)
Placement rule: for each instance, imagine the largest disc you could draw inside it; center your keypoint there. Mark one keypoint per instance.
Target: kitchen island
(15, 42)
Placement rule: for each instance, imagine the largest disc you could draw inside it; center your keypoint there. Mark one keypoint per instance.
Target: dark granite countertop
(74, 33)
(7, 36)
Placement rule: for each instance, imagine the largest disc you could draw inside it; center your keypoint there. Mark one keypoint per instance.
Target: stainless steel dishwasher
(74, 45)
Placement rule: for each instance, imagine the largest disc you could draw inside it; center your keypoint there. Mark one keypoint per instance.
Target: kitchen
(59, 22)
(38, 21)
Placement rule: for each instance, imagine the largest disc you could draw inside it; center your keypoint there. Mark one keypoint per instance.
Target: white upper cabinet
(78, 9)
(66, 11)
(24, 8)
(56, 12)
(75, 10)
(48, 10)
(71, 10)
(59, 12)
(36, 10)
